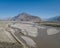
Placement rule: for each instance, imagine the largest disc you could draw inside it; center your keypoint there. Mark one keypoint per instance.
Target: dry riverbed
(33, 36)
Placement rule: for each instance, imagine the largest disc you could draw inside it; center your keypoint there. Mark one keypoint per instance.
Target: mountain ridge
(26, 17)
(54, 19)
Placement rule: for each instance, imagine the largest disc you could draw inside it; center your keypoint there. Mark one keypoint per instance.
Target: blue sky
(41, 8)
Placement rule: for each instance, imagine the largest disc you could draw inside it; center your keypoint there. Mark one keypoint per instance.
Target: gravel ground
(44, 40)
(48, 37)
(10, 45)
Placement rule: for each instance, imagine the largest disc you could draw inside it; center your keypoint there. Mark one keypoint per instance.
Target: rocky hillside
(26, 17)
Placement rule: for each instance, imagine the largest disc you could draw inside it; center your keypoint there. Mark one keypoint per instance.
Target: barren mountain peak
(26, 17)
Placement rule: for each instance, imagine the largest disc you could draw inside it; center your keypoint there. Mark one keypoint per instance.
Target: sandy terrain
(6, 36)
(6, 39)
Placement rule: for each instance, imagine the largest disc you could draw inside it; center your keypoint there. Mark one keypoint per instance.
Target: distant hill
(26, 17)
(54, 19)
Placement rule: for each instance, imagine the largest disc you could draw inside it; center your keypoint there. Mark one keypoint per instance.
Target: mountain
(54, 19)
(26, 17)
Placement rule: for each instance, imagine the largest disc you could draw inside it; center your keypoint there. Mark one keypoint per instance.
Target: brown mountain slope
(26, 17)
